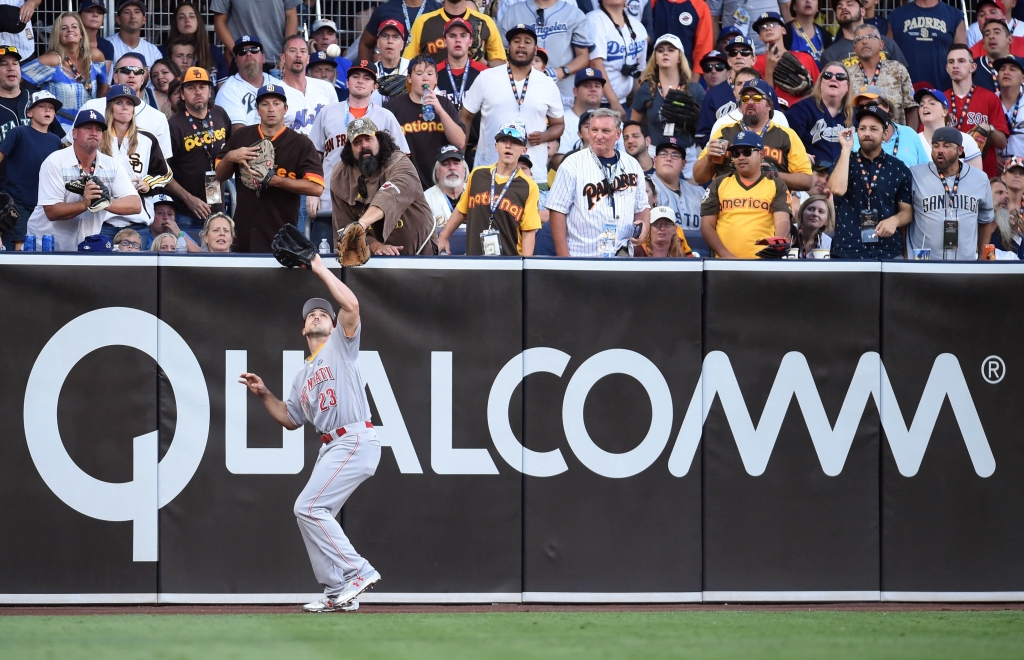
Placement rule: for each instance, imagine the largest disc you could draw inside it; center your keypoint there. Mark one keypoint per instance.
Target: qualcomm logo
(154, 484)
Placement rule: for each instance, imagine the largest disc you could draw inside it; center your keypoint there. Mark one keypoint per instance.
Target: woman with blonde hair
(72, 70)
(667, 69)
(187, 23)
(665, 239)
(820, 117)
(139, 153)
(218, 233)
(815, 224)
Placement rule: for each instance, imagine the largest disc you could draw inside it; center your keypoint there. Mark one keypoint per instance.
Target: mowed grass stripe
(590, 635)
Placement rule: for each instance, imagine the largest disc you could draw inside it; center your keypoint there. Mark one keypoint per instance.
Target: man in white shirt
(306, 96)
(330, 132)
(450, 176)
(130, 70)
(238, 93)
(66, 215)
(534, 102)
(131, 18)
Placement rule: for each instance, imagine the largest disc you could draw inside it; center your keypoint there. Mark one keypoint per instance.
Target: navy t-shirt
(24, 150)
(106, 48)
(817, 128)
(718, 96)
(928, 33)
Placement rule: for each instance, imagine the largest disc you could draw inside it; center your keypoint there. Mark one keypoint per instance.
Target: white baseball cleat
(358, 585)
(331, 605)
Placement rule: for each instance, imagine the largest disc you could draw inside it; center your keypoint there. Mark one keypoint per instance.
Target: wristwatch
(566, 71)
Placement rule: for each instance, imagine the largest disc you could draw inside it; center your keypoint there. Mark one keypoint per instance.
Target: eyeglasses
(863, 37)
(743, 52)
(130, 244)
(755, 98)
(717, 66)
(828, 75)
(670, 154)
(131, 70)
(248, 50)
(742, 151)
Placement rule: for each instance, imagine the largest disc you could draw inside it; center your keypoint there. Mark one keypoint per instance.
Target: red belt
(327, 437)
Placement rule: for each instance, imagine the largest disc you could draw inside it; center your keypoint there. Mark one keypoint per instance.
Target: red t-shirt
(1016, 48)
(984, 108)
(805, 59)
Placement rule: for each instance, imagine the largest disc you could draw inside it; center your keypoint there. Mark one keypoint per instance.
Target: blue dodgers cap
(768, 17)
(90, 4)
(739, 41)
(936, 94)
(512, 132)
(583, 75)
(747, 139)
(246, 40)
(122, 92)
(317, 303)
(320, 57)
(271, 90)
(90, 117)
(96, 243)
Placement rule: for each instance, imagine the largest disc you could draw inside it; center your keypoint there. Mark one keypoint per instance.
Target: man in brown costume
(377, 185)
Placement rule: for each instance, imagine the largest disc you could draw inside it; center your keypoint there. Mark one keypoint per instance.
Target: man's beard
(369, 164)
(318, 332)
(523, 62)
(750, 118)
(452, 180)
(251, 69)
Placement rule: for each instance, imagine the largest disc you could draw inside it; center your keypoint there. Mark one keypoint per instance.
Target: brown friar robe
(396, 191)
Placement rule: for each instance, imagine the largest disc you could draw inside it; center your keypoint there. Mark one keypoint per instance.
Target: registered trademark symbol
(993, 369)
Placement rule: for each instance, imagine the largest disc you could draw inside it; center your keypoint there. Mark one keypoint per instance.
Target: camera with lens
(631, 70)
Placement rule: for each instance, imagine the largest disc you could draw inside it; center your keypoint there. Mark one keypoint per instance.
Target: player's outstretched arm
(276, 407)
(348, 314)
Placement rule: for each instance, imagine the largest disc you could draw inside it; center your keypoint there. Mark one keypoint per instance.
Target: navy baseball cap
(364, 66)
(245, 40)
(90, 117)
(727, 32)
(138, 3)
(671, 143)
(583, 75)
(525, 160)
(448, 152)
(948, 134)
(768, 17)
(92, 4)
(123, 92)
(271, 90)
(936, 94)
(96, 243)
(521, 28)
(872, 111)
(1009, 59)
(739, 41)
(714, 56)
(761, 87)
(747, 139)
(320, 57)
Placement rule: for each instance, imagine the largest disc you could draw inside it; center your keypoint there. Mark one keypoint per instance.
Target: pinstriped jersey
(329, 391)
(583, 192)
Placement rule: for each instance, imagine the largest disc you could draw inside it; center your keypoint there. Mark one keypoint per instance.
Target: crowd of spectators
(669, 128)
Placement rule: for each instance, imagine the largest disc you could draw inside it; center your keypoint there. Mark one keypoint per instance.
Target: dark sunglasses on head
(756, 98)
(717, 66)
(745, 52)
(828, 75)
(248, 50)
(131, 70)
(742, 151)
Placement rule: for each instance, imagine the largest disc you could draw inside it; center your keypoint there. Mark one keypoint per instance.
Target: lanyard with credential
(950, 197)
(609, 173)
(495, 203)
(955, 118)
(512, 82)
(208, 129)
(408, 23)
(459, 90)
(869, 182)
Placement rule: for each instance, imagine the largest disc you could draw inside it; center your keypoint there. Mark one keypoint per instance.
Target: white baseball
(333, 50)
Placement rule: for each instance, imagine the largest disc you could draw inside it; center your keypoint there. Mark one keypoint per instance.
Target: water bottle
(608, 239)
(179, 245)
(428, 110)
(324, 248)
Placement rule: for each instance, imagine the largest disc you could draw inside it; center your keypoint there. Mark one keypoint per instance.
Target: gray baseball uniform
(329, 393)
(686, 203)
(971, 206)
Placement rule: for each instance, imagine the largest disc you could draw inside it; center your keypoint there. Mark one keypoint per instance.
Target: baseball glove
(9, 215)
(682, 109)
(291, 248)
(256, 173)
(393, 85)
(777, 248)
(352, 248)
(77, 186)
(791, 76)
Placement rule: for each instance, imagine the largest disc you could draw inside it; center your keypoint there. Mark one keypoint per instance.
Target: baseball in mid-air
(333, 50)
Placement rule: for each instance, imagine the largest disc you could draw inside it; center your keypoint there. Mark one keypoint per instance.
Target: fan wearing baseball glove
(9, 214)
(274, 167)
(792, 74)
(682, 109)
(393, 85)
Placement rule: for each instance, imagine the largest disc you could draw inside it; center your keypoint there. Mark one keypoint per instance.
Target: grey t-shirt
(564, 26)
(686, 204)
(842, 50)
(742, 14)
(329, 391)
(972, 205)
(263, 19)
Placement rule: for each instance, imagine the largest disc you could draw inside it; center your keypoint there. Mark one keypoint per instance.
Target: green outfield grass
(831, 635)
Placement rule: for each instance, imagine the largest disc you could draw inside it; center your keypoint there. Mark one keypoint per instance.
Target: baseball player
(330, 394)
(598, 187)
(952, 202)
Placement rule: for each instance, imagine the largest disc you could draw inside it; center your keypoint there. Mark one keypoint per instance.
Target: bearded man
(376, 185)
